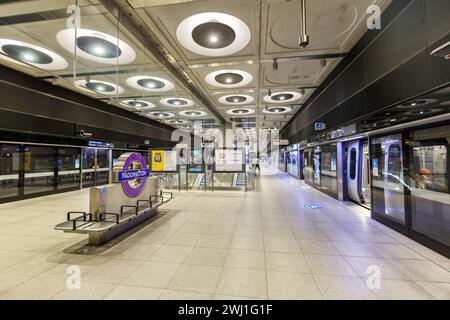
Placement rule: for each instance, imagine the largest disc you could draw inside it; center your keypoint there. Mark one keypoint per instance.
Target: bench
(113, 213)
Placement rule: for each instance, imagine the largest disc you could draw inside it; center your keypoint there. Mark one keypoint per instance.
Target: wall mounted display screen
(196, 161)
(229, 160)
(163, 160)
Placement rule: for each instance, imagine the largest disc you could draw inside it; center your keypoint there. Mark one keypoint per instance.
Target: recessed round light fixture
(32, 54)
(422, 112)
(150, 84)
(277, 110)
(96, 46)
(177, 102)
(213, 34)
(161, 114)
(240, 111)
(283, 97)
(229, 78)
(192, 113)
(416, 103)
(236, 99)
(177, 121)
(103, 87)
(139, 104)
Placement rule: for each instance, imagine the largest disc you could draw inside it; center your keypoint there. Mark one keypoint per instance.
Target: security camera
(275, 64)
(303, 41)
(269, 93)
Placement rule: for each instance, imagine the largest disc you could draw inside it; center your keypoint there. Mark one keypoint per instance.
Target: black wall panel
(30, 100)
(384, 68)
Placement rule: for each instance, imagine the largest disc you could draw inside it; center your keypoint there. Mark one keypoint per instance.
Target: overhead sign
(319, 126)
(229, 160)
(163, 160)
(281, 142)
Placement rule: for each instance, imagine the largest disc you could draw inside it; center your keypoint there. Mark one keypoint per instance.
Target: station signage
(133, 181)
(319, 126)
(133, 174)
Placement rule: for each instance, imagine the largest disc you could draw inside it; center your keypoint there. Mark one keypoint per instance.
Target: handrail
(128, 206)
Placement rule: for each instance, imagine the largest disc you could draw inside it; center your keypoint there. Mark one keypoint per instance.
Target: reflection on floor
(215, 245)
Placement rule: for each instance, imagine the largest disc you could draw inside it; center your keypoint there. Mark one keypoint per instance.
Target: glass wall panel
(316, 165)
(429, 182)
(308, 169)
(329, 169)
(39, 164)
(88, 166)
(69, 165)
(387, 178)
(102, 168)
(10, 164)
(294, 165)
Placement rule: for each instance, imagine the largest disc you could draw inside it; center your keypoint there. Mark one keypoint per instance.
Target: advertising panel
(229, 160)
(163, 160)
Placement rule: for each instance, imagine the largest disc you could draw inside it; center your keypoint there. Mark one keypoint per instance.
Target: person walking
(256, 164)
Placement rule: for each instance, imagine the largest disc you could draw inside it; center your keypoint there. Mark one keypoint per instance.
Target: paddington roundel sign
(133, 180)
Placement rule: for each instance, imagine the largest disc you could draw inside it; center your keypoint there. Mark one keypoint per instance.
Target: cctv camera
(303, 41)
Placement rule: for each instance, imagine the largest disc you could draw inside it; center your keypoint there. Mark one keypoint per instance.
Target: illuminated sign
(312, 206)
(163, 160)
(319, 126)
(133, 181)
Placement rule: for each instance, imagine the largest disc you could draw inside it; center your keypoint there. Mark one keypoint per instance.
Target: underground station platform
(258, 150)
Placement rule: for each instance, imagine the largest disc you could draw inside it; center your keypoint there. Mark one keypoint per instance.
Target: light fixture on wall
(84, 134)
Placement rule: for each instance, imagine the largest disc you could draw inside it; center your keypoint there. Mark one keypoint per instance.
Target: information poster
(163, 160)
(229, 160)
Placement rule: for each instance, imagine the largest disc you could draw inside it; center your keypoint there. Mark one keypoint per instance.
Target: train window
(353, 163)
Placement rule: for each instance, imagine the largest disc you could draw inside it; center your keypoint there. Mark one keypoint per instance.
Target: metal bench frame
(109, 225)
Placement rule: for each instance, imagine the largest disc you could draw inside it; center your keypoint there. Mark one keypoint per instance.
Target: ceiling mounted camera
(303, 40)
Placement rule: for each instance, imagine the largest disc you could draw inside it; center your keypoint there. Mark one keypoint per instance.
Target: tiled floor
(220, 245)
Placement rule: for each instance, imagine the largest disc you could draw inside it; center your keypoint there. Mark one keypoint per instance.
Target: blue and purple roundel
(139, 177)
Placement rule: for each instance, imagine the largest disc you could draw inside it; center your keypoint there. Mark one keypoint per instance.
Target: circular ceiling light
(96, 46)
(192, 113)
(236, 99)
(213, 34)
(277, 110)
(32, 54)
(176, 121)
(422, 112)
(283, 97)
(240, 111)
(150, 84)
(139, 104)
(103, 87)
(177, 102)
(229, 78)
(161, 114)
(416, 103)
